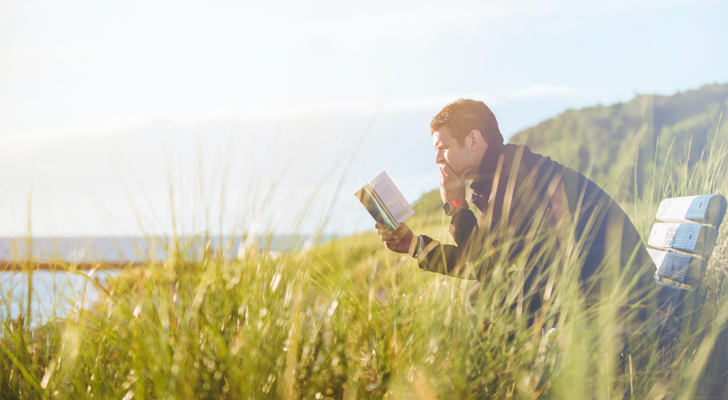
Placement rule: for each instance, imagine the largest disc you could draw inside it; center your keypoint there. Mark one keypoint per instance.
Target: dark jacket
(535, 213)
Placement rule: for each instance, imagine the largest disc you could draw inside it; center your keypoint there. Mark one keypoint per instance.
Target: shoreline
(60, 266)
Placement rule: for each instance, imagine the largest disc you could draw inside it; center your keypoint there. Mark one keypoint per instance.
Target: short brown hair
(462, 116)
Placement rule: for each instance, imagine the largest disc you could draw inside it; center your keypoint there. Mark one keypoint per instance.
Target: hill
(350, 319)
(671, 131)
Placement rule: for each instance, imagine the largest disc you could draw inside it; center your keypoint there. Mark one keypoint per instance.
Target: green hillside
(351, 320)
(592, 139)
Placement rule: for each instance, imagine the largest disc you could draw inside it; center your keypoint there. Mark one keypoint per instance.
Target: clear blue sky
(103, 104)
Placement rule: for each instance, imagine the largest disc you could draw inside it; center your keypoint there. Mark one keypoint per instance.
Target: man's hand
(399, 241)
(452, 186)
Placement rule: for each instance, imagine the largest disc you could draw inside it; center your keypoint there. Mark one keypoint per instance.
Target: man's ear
(475, 139)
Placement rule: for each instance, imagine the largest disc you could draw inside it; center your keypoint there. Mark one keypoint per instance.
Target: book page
(375, 209)
(391, 197)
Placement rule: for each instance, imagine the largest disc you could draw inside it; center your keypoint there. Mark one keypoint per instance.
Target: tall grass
(349, 319)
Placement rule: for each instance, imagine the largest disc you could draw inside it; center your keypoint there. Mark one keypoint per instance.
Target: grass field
(350, 320)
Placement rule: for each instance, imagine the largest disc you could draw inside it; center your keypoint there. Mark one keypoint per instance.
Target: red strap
(459, 203)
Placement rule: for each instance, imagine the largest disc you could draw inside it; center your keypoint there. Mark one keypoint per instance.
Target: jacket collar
(486, 169)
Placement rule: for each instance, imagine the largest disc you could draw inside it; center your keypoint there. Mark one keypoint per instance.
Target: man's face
(449, 151)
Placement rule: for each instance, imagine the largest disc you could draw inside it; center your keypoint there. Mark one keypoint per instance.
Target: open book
(384, 201)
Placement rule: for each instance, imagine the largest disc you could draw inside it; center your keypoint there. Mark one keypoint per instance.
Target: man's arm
(463, 226)
(450, 259)
(431, 255)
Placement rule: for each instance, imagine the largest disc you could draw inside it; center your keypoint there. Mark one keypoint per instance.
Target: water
(141, 249)
(56, 293)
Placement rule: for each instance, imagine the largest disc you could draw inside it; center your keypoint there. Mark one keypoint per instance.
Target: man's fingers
(447, 170)
(393, 239)
(384, 231)
(402, 229)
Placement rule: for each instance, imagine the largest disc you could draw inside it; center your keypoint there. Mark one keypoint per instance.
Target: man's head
(461, 133)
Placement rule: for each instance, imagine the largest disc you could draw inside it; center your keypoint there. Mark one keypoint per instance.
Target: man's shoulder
(546, 167)
(532, 159)
(525, 153)
(528, 160)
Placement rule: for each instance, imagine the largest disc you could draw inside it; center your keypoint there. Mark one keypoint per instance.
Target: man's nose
(439, 159)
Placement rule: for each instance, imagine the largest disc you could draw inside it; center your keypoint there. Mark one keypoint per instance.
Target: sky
(147, 117)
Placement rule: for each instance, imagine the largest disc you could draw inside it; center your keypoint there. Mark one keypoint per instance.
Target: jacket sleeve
(450, 259)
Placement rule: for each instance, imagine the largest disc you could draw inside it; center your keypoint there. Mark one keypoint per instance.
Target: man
(535, 214)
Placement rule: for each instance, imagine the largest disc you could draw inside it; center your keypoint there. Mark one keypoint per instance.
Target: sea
(56, 293)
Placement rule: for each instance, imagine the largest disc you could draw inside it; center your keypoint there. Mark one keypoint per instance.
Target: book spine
(382, 206)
